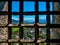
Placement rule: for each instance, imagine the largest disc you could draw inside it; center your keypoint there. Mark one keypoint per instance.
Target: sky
(28, 7)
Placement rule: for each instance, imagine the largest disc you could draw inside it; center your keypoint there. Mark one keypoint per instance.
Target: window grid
(36, 13)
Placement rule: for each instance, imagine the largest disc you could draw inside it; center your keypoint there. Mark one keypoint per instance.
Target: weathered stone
(3, 22)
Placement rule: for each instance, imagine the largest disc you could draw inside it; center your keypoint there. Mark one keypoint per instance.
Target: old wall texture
(3, 22)
(56, 20)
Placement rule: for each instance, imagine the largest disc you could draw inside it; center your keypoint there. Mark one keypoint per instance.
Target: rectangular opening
(29, 19)
(14, 43)
(28, 6)
(54, 33)
(15, 33)
(28, 44)
(28, 33)
(15, 6)
(42, 33)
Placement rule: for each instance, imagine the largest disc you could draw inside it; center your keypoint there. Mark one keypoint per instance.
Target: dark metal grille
(36, 26)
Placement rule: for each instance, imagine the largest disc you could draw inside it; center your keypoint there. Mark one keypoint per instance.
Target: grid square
(28, 19)
(28, 44)
(42, 19)
(15, 6)
(14, 43)
(29, 6)
(15, 19)
(15, 33)
(54, 33)
(28, 33)
(51, 6)
(42, 6)
(42, 33)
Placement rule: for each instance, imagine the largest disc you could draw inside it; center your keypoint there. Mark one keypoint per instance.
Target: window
(29, 23)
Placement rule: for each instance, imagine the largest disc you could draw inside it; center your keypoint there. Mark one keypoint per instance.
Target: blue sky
(29, 6)
(16, 17)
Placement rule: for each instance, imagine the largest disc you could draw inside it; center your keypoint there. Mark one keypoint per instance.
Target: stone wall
(4, 22)
(56, 19)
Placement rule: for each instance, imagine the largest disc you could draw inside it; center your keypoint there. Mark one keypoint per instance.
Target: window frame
(36, 13)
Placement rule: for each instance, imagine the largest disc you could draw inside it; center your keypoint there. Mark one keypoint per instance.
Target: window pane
(50, 19)
(29, 6)
(15, 19)
(28, 44)
(54, 43)
(51, 6)
(42, 43)
(42, 6)
(55, 33)
(29, 19)
(42, 33)
(56, 6)
(28, 33)
(56, 19)
(15, 6)
(14, 43)
(42, 19)
(15, 33)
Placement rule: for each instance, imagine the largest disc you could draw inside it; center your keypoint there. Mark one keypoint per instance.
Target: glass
(15, 6)
(42, 33)
(28, 33)
(55, 33)
(42, 43)
(15, 33)
(29, 6)
(51, 6)
(14, 43)
(28, 44)
(15, 19)
(42, 6)
(42, 19)
(29, 19)
(55, 19)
